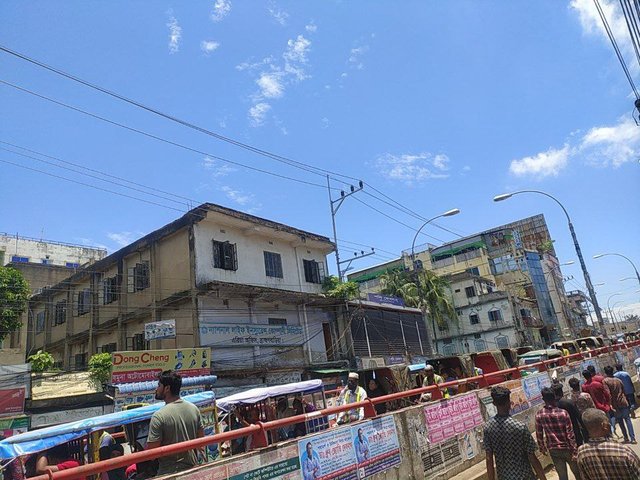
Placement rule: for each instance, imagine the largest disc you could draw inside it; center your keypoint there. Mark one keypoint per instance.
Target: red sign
(12, 400)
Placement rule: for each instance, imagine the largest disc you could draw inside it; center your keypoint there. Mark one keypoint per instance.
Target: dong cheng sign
(143, 366)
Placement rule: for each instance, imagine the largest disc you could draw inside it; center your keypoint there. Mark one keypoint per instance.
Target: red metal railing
(368, 405)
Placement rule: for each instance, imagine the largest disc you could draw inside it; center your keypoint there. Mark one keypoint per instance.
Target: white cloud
(209, 46)
(241, 198)
(217, 168)
(258, 113)
(544, 164)
(601, 146)
(278, 15)
(614, 145)
(311, 28)
(220, 10)
(122, 239)
(175, 34)
(355, 57)
(410, 168)
(325, 122)
(297, 50)
(466, 168)
(270, 85)
(254, 65)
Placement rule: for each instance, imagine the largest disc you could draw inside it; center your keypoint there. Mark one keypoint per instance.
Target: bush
(100, 369)
(41, 361)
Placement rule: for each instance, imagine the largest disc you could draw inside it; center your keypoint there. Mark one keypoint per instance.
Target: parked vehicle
(491, 361)
(570, 345)
(592, 342)
(536, 356)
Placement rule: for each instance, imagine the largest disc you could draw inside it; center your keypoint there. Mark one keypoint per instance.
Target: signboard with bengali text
(376, 446)
(12, 400)
(250, 335)
(447, 418)
(144, 366)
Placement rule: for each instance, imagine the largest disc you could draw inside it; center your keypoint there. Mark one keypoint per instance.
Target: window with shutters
(474, 319)
(60, 314)
(273, 265)
(108, 348)
(39, 322)
(495, 315)
(312, 271)
(470, 291)
(137, 342)
(139, 277)
(80, 361)
(109, 290)
(225, 255)
(84, 301)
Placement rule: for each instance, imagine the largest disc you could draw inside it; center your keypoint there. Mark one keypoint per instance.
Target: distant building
(580, 311)
(368, 278)
(247, 287)
(19, 249)
(43, 263)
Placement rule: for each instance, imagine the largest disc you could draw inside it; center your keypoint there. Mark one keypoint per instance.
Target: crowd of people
(577, 429)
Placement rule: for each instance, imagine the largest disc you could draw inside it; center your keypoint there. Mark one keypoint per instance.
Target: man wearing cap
(350, 394)
(431, 378)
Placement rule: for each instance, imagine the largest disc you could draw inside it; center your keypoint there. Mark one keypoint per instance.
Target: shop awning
(330, 371)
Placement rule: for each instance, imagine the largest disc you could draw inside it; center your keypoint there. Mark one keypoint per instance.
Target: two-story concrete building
(247, 287)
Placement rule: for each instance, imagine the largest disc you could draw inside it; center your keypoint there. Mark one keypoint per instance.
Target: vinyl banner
(250, 335)
(328, 456)
(143, 366)
(376, 446)
(447, 418)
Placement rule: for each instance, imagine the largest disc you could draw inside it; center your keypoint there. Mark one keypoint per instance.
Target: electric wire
(632, 26)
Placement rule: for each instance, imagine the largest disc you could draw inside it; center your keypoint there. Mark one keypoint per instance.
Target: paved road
(551, 474)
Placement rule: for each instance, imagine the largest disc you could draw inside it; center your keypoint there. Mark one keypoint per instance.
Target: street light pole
(613, 320)
(585, 272)
(449, 213)
(635, 269)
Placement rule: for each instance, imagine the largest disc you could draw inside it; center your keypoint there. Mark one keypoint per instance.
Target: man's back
(599, 393)
(175, 422)
(602, 458)
(576, 420)
(626, 380)
(511, 443)
(616, 388)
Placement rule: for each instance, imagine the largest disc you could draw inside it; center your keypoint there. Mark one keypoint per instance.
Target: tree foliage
(14, 296)
(424, 290)
(335, 288)
(100, 369)
(41, 361)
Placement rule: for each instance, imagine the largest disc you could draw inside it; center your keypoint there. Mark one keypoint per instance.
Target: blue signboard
(379, 298)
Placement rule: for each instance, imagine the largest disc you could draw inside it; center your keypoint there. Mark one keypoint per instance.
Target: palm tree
(424, 290)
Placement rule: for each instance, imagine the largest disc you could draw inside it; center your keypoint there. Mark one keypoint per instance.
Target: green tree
(14, 296)
(333, 287)
(100, 369)
(41, 361)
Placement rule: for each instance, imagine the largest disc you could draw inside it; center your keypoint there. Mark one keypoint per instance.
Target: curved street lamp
(448, 213)
(600, 255)
(585, 272)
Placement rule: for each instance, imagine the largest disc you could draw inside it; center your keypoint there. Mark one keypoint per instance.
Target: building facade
(245, 286)
(20, 249)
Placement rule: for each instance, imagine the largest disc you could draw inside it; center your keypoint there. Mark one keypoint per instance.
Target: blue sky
(436, 104)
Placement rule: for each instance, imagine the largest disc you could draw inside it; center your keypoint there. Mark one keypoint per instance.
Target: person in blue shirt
(629, 389)
(362, 447)
(310, 463)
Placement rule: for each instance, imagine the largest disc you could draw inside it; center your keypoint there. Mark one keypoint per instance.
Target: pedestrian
(431, 378)
(596, 377)
(581, 399)
(376, 390)
(178, 421)
(352, 393)
(620, 406)
(602, 458)
(569, 406)
(585, 350)
(510, 447)
(554, 433)
(599, 393)
(257, 439)
(629, 388)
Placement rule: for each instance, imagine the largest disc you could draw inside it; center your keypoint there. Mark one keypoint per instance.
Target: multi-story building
(245, 286)
(19, 249)
(42, 263)
(368, 279)
(580, 311)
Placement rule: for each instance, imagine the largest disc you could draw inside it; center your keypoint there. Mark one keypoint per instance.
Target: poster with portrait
(376, 446)
(533, 385)
(327, 456)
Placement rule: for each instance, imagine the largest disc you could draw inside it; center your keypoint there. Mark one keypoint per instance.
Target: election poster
(328, 456)
(533, 385)
(376, 446)
(447, 418)
(144, 366)
(281, 464)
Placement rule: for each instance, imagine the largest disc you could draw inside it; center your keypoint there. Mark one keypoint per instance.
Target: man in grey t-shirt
(176, 422)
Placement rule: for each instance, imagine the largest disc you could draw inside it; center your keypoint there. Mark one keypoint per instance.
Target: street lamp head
(501, 197)
(570, 262)
(599, 255)
(450, 213)
(598, 284)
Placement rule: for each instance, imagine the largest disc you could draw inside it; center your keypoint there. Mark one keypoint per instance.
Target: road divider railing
(480, 381)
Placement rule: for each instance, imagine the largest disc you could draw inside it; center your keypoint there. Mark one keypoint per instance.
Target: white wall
(37, 251)
(489, 338)
(250, 248)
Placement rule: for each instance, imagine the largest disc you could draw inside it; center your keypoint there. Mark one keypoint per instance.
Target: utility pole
(335, 206)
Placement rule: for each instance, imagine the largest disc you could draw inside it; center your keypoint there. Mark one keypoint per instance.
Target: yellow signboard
(145, 365)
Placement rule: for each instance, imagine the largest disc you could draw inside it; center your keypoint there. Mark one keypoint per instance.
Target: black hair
(574, 383)
(619, 367)
(608, 370)
(592, 369)
(171, 379)
(59, 452)
(117, 447)
(548, 395)
(587, 374)
(500, 395)
(558, 389)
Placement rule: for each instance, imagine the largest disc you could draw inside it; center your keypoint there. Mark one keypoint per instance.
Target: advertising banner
(12, 400)
(10, 426)
(533, 385)
(249, 335)
(376, 446)
(388, 299)
(144, 366)
(447, 418)
(328, 456)
(158, 330)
